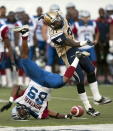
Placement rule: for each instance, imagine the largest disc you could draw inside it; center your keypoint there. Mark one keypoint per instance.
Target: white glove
(110, 43)
(17, 50)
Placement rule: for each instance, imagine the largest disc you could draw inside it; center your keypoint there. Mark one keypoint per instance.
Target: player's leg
(79, 77)
(90, 70)
(50, 58)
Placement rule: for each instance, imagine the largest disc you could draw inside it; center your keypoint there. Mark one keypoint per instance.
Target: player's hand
(6, 107)
(90, 43)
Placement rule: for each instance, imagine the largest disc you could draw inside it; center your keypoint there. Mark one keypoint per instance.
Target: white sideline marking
(95, 127)
(67, 98)
(57, 98)
(2, 100)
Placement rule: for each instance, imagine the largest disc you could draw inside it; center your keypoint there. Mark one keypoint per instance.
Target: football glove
(6, 107)
(90, 43)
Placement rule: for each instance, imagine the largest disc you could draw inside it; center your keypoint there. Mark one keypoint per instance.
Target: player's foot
(92, 112)
(82, 54)
(24, 30)
(103, 100)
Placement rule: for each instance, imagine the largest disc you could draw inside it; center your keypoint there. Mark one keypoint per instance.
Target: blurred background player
(2, 21)
(86, 29)
(52, 57)
(25, 20)
(102, 47)
(71, 14)
(109, 11)
(40, 43)
(2, 14)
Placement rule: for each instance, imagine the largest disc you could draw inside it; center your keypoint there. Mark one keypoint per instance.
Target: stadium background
(30, 6)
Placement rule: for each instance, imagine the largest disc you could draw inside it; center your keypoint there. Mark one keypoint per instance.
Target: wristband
(110, 43)
(11, 99)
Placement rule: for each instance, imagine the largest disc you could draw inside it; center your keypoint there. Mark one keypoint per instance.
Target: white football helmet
(54, 7)
(84, 13)
(20, 112)
(70, 5)
(109, 7)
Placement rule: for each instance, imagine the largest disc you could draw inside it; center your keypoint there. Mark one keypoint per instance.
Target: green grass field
(62, 100)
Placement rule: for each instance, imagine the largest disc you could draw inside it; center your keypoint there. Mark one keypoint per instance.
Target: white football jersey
(11, 33)
(85, 31)
(1, 40)
(39, 30)
(35, 98)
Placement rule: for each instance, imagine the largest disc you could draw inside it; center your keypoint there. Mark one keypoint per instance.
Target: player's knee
(91, 77)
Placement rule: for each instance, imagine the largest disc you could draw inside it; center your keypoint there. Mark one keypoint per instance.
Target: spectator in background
(102, 46)
(86, 29)
(71, 13)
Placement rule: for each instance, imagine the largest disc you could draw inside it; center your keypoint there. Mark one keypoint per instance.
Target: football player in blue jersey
(40, 85)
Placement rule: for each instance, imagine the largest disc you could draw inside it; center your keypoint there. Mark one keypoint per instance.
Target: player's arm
(61, 39)
(44, 32)
(16, 91)
(58, 115)
(7, 44)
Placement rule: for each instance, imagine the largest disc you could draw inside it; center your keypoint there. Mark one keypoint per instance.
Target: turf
(62, 100)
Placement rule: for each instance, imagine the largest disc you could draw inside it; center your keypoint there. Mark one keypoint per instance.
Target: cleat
(24, 30)
(103, 100)
(92, 112)
(82, 54)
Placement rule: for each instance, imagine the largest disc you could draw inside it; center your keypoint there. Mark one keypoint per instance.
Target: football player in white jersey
(10, 22)
(34, 101)
(3, 21)
(5, 50)
(86, 29)
(25, 19)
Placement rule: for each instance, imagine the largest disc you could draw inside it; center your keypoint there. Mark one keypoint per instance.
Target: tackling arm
(61, 39)
(16, 92)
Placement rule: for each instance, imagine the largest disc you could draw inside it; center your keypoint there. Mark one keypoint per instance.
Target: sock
(9, 77)
(95, 91)
(84, 98)
(70, 70)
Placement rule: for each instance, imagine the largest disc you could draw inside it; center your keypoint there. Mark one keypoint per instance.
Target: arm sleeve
(4, 33)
